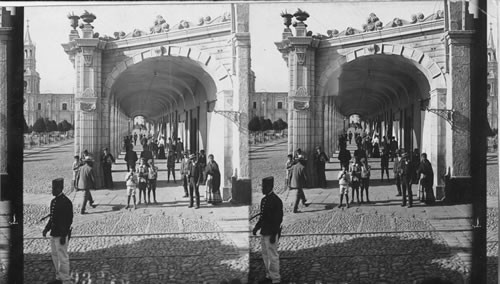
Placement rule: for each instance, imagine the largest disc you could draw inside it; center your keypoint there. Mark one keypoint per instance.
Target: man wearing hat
(185, 174)
(195, 173)
(406, 176)
(86, 181)
(59, 225)
(397, 171)
(269, 224)
(299, 181)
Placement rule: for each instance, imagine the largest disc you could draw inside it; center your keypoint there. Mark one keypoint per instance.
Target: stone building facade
(189, 80)
(272, 105)
(57, 107)
(407, 78)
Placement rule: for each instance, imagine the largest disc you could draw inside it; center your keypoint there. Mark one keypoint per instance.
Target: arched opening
(172, 93)
(385, 91)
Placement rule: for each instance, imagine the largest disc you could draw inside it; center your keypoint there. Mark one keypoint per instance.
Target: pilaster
(92, 118)
(458, 99)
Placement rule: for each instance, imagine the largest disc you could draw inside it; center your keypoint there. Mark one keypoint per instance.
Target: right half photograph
(373, 142)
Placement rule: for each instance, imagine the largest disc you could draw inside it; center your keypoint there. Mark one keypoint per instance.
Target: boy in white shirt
(131, 182)
(344, 186)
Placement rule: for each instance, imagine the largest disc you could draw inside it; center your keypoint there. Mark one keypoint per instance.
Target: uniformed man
(406, 178)
(59, 225)
(269, 224)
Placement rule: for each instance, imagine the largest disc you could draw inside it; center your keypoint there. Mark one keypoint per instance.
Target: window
(254, 105)
(64, 106)
(280, 105)
(39, 106)
(25, 86)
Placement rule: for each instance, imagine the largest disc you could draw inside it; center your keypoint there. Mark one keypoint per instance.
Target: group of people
(408, 170)
(160, 149)
(372, 145)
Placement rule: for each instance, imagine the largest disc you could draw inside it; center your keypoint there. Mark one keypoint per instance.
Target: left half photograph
(135, 147)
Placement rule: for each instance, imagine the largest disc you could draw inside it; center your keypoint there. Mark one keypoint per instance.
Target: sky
(49, 28)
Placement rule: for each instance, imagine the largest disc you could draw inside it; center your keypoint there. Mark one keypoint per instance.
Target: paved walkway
(424, 240)
(162, 243)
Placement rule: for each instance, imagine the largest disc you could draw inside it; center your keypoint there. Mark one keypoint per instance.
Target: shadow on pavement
(146, 259)
(384, 259)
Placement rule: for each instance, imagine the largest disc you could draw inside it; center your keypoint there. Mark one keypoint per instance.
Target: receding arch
(423, 62)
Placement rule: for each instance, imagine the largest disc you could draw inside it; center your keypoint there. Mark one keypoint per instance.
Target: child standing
(142, 172)
(344, 186)
(131, 182)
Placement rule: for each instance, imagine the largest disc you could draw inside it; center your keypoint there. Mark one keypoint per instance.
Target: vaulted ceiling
(157, 86)
(371, 84)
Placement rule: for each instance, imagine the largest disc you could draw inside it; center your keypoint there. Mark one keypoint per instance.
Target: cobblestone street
(379, 242)
(163, 243)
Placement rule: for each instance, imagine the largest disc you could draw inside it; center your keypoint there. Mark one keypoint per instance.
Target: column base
(458, 189)
(241, 191)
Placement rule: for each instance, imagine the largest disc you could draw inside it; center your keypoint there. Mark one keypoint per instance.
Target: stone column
(458, 143)
(305, 110)
(91, 111)
(241, 187)
(434, 138)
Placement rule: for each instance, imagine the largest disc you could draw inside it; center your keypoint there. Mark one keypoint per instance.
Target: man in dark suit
(59, 225)
(406, 177)
(195, 173)
(86, 181)
(299, 181)
(269, 224)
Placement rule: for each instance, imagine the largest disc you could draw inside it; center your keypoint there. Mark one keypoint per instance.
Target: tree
(254, 124)
(267, 125)
(60, 127)
(279, 125)
(39, 125)
(65, 125)
(51, 126)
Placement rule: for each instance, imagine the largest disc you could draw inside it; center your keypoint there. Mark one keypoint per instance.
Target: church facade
(57, 107)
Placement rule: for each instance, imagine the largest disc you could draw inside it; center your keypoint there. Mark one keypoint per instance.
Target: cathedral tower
(31, 79)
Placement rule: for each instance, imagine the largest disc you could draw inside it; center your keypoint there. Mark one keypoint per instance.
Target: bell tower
(31, 79)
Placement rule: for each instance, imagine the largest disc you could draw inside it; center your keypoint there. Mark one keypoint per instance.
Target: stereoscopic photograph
(249, 142)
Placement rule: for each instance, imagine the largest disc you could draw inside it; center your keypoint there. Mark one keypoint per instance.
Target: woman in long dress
(212, 174)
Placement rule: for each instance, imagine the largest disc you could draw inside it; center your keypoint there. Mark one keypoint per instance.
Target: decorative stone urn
(301, 15)
(287, 19)
(88, 17)
(73, 19)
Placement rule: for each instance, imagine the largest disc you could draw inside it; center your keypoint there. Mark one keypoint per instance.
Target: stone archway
(423, 62)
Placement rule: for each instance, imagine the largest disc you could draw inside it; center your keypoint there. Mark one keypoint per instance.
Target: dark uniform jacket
(271, 210)
(61, 216)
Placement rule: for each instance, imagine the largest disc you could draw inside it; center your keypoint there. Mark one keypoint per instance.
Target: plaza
(158, 243)
(377, 242)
